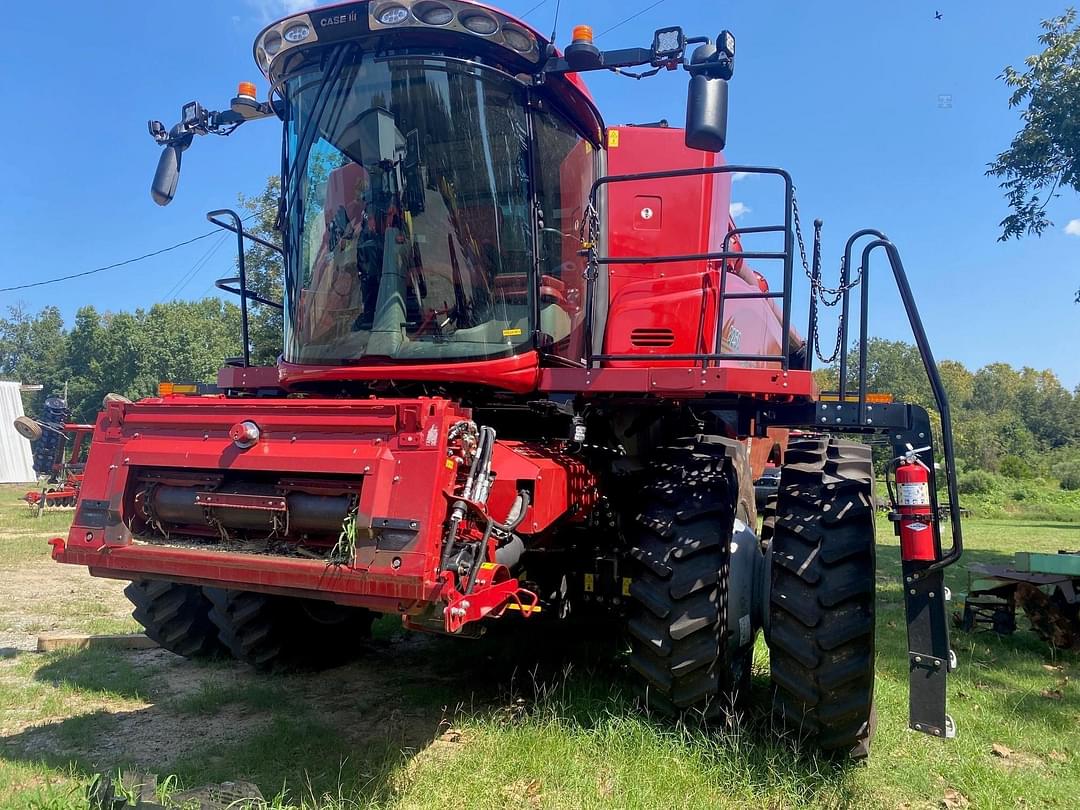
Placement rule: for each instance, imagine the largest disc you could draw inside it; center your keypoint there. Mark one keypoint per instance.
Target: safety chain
(590, 220)
(827, 296)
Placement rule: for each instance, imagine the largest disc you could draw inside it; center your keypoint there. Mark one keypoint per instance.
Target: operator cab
(412, 228)
(440, 163)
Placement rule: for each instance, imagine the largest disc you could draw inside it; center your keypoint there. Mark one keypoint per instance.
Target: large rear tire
(680, 535)
(277, 632)
(176, 616)
(821, 611)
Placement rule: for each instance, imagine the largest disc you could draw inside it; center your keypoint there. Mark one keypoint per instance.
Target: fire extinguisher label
(914, 495)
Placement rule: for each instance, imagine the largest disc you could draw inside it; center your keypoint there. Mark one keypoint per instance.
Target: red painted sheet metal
(394, 452)
(561, 484)
(518, 374)
(280, 574)
(249, 377)
(681, 382)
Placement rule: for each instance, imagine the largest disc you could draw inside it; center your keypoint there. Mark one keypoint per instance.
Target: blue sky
(885, 117)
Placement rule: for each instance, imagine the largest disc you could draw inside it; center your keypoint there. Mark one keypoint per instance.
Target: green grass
(558, 736)
(1025, 499)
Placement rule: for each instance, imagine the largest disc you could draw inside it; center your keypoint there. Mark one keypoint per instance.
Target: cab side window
(565, 169)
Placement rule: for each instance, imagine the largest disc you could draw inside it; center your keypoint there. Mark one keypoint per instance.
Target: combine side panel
(171, 490)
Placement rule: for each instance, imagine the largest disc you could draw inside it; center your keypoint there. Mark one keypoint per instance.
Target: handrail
(941, 399)
(845, 278)
(237, 227)
(717, 356)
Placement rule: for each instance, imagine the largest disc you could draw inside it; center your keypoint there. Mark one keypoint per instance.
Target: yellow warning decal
(511, 332)
(487, 566)
(626, 582)
(613, 138)
(590, 583)
(450, 464)
(524, 608)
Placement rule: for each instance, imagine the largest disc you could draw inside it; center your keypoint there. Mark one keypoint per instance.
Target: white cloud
(735, 178)
(270, 10)
(737, 209)
(1073, 227)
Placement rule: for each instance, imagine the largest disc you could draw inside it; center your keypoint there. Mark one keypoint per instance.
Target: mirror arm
(622, 58)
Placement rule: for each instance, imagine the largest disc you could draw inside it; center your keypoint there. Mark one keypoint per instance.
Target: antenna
(555, 23)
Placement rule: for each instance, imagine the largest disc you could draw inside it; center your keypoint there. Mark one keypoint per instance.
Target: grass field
(423, 722)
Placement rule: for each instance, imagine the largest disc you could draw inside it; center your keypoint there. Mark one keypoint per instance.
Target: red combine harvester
(528, 374)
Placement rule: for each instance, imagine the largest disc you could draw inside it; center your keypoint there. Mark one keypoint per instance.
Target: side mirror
(706, 112)
(163, 189)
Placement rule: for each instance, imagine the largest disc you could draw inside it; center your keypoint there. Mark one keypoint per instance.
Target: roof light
(272, 43)
(432, 13)
(478, 22)
(297, 33)
(393, 15)
(582, 33)
(247, 90)
(669, 43)
(581, 54)
(517, 38)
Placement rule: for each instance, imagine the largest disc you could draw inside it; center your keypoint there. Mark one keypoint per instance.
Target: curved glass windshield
(411, 230)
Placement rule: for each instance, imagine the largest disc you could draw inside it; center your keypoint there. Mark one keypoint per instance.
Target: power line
(108, 266)
(628, 19)
(117, 264)
(534, 8)
(196, 268)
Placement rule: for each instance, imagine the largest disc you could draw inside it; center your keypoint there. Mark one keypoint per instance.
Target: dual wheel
(266, 631)
(815, 596)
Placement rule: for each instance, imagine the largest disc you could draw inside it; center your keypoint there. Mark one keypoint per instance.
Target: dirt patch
(44, 595)
(1009, 759)
(194, 707)
(148, 737)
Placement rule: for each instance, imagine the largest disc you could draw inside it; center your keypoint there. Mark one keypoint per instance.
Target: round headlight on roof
(393, 15)
(297, 33)
(432, 13)
(478, 22)
(272, 43)
(517, 39)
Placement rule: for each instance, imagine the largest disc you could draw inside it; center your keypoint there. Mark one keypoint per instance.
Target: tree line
(1017, 422)
(115, 352)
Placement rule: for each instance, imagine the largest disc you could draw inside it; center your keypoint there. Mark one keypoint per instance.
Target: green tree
(33, 350)
(184, 341)
(1045, 154)
(129, 353)
(265, 272)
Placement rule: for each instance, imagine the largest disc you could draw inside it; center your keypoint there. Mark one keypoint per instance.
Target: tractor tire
(679, 536)
(821, 606)
(176, 616)
(768, 522)
(282, 633)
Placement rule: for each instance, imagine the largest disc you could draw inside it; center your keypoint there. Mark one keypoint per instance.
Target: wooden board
(60, 640)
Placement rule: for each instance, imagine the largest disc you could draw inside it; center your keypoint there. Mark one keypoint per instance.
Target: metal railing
(237, 226)
(880, 242)
(716, 354)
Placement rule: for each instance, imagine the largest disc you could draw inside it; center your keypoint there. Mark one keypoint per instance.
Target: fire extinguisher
(912, 510)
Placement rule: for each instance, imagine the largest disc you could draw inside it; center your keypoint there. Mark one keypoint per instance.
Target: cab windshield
(411, 232)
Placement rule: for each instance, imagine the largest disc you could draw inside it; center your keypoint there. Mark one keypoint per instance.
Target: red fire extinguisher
(912, 509)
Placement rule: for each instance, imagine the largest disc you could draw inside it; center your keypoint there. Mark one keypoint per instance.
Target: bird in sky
(937, 15)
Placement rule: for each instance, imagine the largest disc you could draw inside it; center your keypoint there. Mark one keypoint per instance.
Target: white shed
(16, 461)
